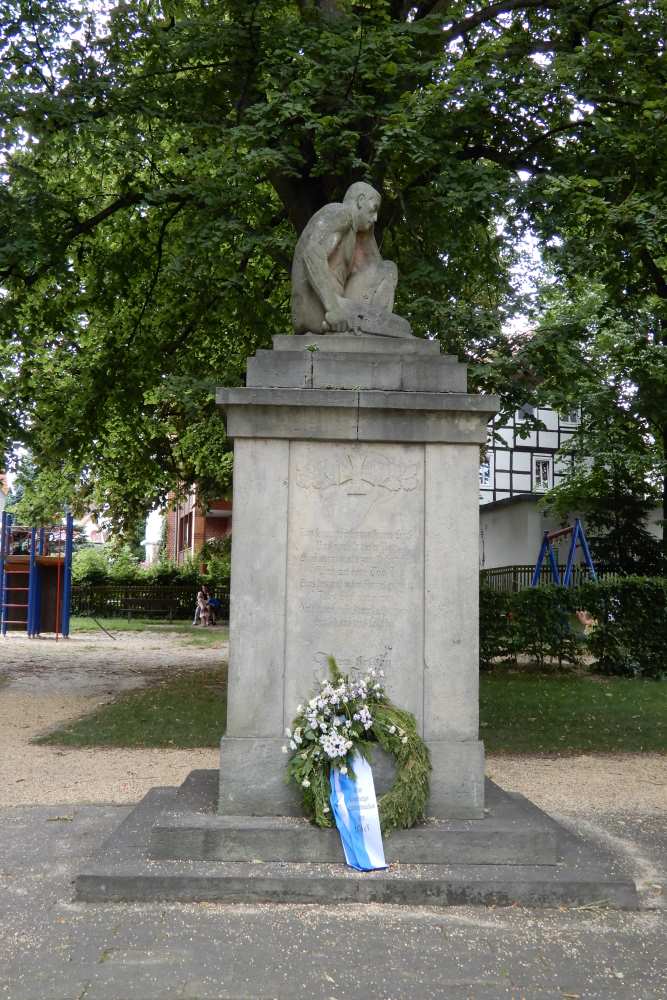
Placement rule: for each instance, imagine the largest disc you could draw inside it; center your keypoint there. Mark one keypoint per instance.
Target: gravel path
(586, 784)
(47, 683)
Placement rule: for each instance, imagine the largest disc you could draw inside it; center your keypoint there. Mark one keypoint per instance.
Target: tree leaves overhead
(158, 163)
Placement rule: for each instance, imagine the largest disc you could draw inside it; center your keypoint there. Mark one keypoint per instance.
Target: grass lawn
(519, 713)
(533, 713)
(197, 634)
(185, 711)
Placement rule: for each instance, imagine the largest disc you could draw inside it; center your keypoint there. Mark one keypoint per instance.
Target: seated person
(202, 612)
(214, 605)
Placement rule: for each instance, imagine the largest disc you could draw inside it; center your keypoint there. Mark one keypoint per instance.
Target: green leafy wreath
(349, 715)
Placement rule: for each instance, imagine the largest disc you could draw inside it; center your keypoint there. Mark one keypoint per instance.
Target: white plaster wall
(511, 535)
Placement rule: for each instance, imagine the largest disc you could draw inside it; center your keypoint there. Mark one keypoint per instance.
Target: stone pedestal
(356, 495)
(355, 533)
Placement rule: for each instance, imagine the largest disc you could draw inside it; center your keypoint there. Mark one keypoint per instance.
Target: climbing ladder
(35, 577)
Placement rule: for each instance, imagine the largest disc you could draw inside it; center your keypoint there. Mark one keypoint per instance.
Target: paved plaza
(52, 948)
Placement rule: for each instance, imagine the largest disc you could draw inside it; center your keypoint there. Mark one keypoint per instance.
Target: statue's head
(364, 201)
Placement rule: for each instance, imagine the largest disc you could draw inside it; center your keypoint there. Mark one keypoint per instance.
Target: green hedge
(628, 636)
(98, 566)
(495, 630)
(544, 624)
(537, 622)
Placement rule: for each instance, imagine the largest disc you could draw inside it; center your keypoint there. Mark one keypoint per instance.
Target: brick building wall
(188, 527)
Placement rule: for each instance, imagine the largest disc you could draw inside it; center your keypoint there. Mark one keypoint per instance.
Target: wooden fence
(142, 601)
(514, 578)
(138, 601)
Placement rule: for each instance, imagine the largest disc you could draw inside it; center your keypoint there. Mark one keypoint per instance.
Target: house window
(485, 474)
(186, 532)
(570, 417)
(525, 412)
(542, 473)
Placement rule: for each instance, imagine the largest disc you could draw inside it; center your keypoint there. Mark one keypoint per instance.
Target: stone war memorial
(356, 498)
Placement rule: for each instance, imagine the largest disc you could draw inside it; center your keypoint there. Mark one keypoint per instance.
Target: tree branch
(399, 9)
(49, 84)
(356, 64)
(482, 151)
(156, 274)
(84, 226)
(534, 45)
(558, 130)
(489, 13)
(241, 104)
(429, 7)
(522, 158)
(174, 70)
(600, 7)
(330, 8)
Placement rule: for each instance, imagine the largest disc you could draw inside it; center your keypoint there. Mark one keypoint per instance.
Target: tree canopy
(158, 163)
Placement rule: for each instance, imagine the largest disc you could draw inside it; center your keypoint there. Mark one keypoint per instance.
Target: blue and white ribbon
(355, 810)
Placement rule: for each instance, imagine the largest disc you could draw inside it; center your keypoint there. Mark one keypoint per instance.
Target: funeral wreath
(348, 715)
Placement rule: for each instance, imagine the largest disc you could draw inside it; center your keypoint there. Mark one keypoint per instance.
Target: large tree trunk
(303, 197)
(664, 499)
(663, 341)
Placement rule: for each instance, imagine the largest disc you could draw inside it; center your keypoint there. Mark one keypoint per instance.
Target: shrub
(494, 625)
(123, 566)
(629, 637)
(90, 564)
(165, 573)
(536, 622)
(542, 624)
(217, 554)
(162, 573)
(98, 565)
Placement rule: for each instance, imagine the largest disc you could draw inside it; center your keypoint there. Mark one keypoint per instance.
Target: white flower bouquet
(352, 714)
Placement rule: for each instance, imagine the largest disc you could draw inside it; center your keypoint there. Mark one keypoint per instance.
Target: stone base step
(411, 885)
(509, 834)
(122, 871)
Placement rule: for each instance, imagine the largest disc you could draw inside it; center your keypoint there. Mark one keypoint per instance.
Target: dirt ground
(44, 683)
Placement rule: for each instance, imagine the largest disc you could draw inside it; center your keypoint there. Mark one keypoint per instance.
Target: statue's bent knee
(374, 285)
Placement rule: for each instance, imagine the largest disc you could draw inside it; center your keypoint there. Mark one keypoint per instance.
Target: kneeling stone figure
(340, 283)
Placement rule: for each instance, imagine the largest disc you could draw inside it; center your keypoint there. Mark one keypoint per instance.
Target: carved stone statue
(340, 283)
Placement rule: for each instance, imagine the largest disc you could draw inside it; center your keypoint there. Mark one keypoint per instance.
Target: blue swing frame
(578, 538)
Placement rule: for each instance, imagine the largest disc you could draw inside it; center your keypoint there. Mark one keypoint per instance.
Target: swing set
(578, 538)
(35, 577)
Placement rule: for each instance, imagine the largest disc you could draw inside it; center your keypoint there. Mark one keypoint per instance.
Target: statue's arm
(326, 235)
